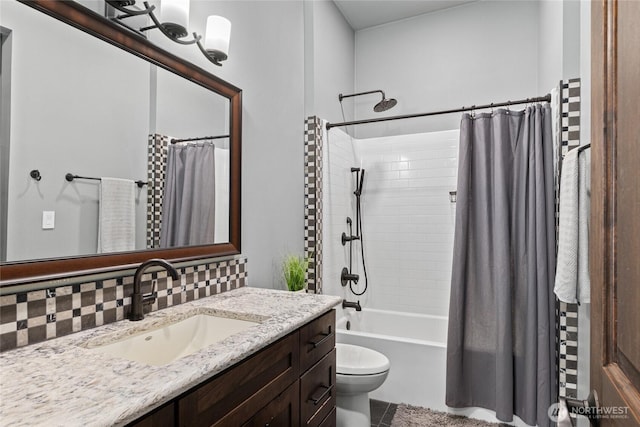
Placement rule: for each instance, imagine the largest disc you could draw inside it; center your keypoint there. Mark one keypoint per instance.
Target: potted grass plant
(294, 268)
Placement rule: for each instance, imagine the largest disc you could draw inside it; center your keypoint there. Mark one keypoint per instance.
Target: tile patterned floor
(381, 413)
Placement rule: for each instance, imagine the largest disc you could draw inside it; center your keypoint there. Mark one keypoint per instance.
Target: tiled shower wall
(408, 219)
(338, 185)
(35, 316)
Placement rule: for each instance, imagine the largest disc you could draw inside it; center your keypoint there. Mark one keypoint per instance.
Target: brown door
(615, 210)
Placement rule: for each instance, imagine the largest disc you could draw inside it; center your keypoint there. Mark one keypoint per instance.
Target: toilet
(359, 371)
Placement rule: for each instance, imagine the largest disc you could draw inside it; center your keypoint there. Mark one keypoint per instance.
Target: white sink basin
(164, 345)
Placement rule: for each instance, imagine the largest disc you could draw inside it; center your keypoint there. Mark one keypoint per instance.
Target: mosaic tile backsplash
(35, 316)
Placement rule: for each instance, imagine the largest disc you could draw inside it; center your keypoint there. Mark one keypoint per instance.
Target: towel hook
(35, 174)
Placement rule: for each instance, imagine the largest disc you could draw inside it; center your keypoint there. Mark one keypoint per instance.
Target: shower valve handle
(346, 277)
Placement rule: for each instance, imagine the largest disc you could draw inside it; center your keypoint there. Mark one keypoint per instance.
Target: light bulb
(217, 37)
(175, 12)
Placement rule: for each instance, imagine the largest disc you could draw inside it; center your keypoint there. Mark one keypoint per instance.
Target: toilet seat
(356, 360)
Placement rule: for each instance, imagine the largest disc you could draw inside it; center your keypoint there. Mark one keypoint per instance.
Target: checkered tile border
(568, 313)
(31, 317)
(313, 202)
(570, 114)
(156, 174)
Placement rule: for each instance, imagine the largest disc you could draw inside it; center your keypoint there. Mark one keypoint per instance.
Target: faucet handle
(151, 297)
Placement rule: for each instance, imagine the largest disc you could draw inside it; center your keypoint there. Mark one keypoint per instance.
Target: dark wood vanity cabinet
(289, 383)
(318, 371)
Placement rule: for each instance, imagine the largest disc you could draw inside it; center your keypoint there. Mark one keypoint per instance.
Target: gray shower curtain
(500, 349)
(188, 206)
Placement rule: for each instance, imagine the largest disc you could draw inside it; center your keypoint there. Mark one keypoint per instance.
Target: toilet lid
(356, 360)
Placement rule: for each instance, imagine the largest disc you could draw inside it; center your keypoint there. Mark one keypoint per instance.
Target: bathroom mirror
(97, 109)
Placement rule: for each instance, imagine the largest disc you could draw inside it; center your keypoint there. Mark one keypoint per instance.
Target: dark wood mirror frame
(90, 22)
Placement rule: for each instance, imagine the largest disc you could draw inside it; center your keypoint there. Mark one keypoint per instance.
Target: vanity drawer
(231, 398)
(317, 338)
(318, 391)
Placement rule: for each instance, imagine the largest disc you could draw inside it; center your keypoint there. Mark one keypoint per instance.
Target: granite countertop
(62, 383)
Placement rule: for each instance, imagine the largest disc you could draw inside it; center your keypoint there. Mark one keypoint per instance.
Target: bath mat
(415, 416)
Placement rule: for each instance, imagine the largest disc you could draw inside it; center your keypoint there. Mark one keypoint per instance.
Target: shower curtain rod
(201, 138)
(546, 98)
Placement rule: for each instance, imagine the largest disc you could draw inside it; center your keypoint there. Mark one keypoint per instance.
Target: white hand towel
(584, 210)
(572, 271)
(117, 224)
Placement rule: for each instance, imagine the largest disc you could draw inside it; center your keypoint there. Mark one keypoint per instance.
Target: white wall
(477, 53)
(333, 52)
(266, 60)
(561, 41)
(550, 44)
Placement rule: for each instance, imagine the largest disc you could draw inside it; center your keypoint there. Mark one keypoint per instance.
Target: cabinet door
(234, 396)
(283, 411)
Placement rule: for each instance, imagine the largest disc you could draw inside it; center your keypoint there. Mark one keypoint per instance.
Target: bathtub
(416, 345)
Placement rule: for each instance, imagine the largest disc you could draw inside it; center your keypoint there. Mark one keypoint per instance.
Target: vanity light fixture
(175, 20)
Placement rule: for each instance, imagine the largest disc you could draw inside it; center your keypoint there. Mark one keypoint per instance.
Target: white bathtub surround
(337, 205)
(58, 382)
(415, 345)
(407, 218)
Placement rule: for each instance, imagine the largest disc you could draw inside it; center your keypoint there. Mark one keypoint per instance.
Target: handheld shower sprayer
(346, 276)
(358, 191)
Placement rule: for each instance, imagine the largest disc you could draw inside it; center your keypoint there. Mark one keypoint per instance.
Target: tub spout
(348, 304)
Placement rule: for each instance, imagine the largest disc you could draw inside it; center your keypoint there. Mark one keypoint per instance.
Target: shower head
(384, 105)
(381, 106)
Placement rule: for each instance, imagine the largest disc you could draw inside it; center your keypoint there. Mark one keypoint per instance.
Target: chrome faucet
(138, 301)
(348, 304)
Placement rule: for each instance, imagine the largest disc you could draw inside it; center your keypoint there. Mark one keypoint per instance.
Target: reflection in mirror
(82, 106)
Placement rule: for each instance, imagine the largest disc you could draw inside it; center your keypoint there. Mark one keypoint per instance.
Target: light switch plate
(48, 220)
